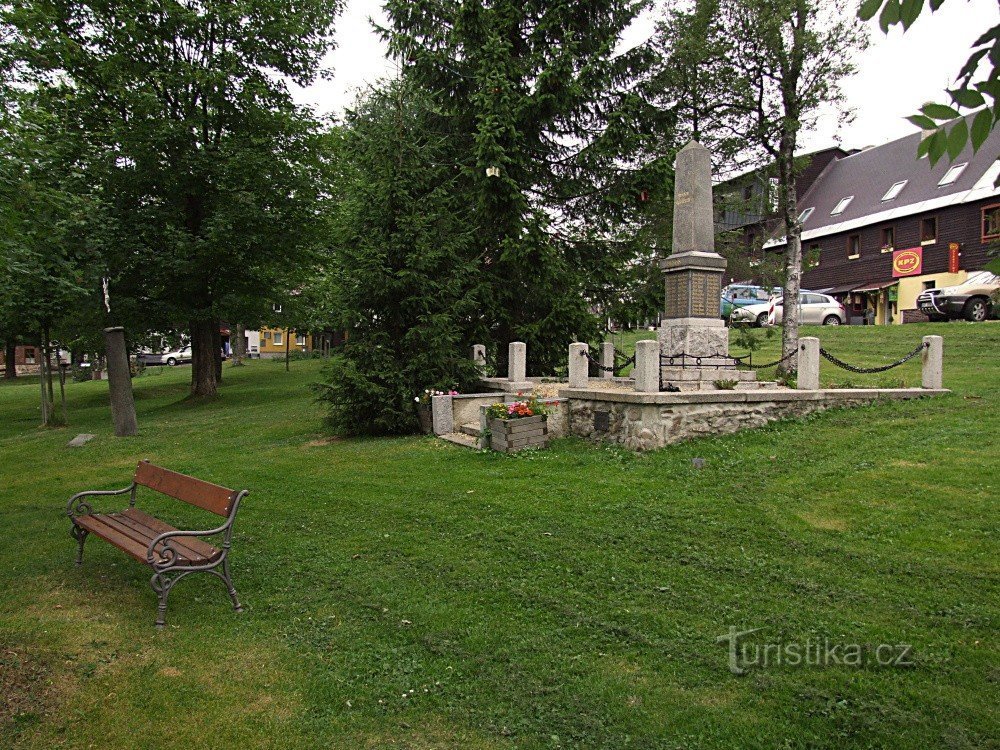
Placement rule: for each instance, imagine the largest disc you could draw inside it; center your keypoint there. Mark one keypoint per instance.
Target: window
(747, 192)
(806, 214)
(815, 299)
(842, 206)
(953, 174)
(991, 222)
(929, 285)
(854, 246)
(300, 340)
(278, 338)
(888, 239)
(928, 231)
(29, 356)
(276, 307)
(267, 335)
(894, 190)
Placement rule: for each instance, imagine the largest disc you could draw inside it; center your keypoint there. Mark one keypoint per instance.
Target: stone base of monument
(694, 354)
(702, 378)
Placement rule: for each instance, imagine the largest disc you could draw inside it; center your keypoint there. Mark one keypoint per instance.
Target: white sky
(896, 74)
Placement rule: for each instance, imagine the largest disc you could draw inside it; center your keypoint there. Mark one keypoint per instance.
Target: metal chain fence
(868, 370)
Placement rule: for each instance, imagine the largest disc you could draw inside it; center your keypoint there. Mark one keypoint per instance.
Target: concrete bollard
(808, 375)
(579, 365)
(932, 361)
(647, 366)
(479, 354)
(517, 362)
(442, 414)
(607, 360)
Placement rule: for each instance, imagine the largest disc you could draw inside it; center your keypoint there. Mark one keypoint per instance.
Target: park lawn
(407, 593)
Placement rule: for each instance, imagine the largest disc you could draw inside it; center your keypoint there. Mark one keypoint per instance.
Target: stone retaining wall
(649, 421)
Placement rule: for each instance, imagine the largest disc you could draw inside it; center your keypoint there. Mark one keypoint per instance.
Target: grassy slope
(406, 593)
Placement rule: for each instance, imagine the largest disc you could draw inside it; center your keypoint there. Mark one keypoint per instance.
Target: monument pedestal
(694, 341)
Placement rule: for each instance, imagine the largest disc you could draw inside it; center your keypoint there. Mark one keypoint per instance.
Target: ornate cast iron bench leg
(81, 536)
(229, 585)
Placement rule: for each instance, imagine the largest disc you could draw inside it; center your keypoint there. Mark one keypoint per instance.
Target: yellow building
(275, 341)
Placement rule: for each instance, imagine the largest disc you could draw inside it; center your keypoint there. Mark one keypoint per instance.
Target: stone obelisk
(692, 331)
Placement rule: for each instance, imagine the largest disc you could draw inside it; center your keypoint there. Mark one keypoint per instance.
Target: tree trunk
(238, 344)
(793, 260)
(120, 383)
(203, 380)
(46, 402)
(10, 354)
(217, 350)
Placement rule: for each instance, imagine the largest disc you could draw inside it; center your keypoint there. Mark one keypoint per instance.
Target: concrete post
(647, 366)
(579, 365)
(120, 383)
(808, 375)
(442, 414)
(932, 360)
(479, 354)
(517, 362)
(608, 359)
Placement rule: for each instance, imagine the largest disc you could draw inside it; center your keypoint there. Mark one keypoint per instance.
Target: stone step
(458, 438)
(471, 428)
(767, 385)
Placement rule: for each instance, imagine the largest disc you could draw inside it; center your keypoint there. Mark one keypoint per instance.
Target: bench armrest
(77, 507)
(166, 556)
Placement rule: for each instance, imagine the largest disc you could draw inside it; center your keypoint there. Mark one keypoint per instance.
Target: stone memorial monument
(694, 341)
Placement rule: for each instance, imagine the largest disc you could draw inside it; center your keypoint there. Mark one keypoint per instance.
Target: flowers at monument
(429, 393)
(530, 407)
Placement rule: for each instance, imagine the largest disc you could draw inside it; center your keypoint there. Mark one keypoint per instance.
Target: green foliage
(969, 93)
(208, 173)
(403, 265)
(544, 121)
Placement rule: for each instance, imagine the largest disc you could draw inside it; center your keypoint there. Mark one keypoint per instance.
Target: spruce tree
(402, 266)
(544, 121)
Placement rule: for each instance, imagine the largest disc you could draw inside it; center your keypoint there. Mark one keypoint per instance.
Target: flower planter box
(509, 435)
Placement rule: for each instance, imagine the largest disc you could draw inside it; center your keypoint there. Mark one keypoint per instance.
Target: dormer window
(953, 174)
(895, 190)
(842, 206)
(806, 214)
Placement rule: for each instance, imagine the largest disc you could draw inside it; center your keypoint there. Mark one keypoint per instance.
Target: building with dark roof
(879, 226)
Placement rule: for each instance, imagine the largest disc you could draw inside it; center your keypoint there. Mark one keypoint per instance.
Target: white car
(169, 358)
(814, 309)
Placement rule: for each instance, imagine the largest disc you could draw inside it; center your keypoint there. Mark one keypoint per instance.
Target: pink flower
(452, 393)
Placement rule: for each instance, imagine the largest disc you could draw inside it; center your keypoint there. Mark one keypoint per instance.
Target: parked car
(742, 295)
(814, 309)
(170, 358)
(969, 300)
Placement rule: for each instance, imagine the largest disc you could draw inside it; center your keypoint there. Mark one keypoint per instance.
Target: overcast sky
(897, 73)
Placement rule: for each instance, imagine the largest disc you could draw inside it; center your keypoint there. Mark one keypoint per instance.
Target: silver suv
(969, 300)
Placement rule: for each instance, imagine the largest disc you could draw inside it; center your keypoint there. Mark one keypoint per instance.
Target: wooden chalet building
(880, 226)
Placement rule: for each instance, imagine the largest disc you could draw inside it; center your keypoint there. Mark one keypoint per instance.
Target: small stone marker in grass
(80, 440)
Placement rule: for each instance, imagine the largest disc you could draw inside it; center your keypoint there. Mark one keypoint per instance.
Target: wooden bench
(170, 552)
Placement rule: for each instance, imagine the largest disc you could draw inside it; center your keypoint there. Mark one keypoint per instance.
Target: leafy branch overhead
(968, 93)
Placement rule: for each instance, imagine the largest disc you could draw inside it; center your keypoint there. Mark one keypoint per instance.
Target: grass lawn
(407, 593)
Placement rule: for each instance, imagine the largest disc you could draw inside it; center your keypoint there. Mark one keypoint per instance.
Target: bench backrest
(198, 492)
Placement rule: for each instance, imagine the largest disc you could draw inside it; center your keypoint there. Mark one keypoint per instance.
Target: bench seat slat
(154, 527)
(131, 537)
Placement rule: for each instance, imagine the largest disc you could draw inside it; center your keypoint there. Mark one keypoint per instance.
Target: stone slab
(80, 440)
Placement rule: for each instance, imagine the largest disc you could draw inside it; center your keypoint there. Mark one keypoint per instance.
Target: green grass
(406, 593)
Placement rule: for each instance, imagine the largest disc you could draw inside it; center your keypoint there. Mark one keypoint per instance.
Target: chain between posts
(614, 368)
(868, 370)
(739, 360)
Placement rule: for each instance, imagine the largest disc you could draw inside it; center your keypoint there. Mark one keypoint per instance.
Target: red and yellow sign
(908, 262)
(954, 254)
